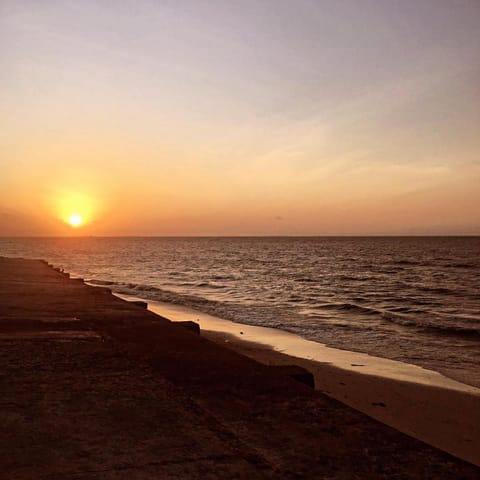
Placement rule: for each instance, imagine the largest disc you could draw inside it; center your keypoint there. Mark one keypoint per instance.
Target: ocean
(413, 299)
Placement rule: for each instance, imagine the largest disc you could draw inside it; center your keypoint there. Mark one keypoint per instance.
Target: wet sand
(93, 386)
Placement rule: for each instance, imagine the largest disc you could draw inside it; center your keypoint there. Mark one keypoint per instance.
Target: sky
(265, 117)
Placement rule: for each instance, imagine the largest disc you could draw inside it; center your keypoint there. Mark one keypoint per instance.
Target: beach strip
(422, 403)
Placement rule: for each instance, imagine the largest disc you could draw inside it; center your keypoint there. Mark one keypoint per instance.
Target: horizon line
(333, 235)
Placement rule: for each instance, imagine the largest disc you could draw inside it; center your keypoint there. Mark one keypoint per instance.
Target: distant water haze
(410, 299)
(265, 117)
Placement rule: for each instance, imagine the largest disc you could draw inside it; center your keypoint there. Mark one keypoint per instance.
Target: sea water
(413, 299)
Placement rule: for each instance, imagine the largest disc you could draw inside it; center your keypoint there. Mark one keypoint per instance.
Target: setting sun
(74, 208)
(75, 220)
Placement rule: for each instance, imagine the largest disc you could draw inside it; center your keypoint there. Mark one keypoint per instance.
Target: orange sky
(251, 118)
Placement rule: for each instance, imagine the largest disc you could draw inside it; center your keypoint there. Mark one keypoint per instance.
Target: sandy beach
(446, 419)
(94, 386)
(421, 403)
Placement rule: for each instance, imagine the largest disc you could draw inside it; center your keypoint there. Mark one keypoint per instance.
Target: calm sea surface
(410, 299)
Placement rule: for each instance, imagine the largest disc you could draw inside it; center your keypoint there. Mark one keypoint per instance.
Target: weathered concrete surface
(93, 387)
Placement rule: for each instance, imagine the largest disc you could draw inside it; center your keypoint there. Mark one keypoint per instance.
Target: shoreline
(456, 372)
(291, 344)
(434, 409)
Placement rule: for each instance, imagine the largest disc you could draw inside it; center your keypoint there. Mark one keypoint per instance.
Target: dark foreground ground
(93, 387)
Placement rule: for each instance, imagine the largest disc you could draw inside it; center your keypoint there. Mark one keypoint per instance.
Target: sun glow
(75, 220)
(75, 209)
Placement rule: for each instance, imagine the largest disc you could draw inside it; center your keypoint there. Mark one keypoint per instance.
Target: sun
(75, 209)
(75, 220)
